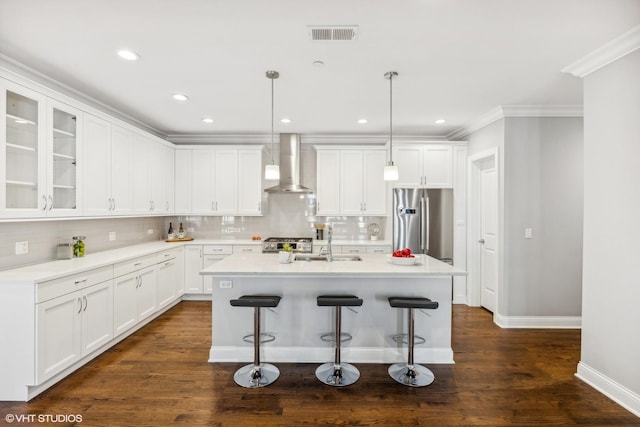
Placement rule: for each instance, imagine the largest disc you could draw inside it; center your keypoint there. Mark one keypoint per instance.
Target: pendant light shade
(391, 170)
(272, 171)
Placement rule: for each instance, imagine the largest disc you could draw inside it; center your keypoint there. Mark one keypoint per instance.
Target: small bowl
(404, 260)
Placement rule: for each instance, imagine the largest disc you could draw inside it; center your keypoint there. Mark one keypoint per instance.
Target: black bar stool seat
(336, 373)
(411, 374)
(256, 374)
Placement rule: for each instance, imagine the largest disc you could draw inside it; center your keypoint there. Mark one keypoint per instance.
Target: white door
(375, 187)
(489, 233)
(144, 154)
(165, 292)
(249, 182)
(225, 182)
(125, 303)
(328, 182)
(121, 170)
(351, 185)
(147, 292)
(202, 182)
(193, 281)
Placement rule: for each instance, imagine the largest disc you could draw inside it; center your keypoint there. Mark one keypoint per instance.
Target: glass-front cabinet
(38, 149)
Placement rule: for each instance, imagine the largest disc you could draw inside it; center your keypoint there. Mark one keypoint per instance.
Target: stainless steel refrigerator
(423, 221)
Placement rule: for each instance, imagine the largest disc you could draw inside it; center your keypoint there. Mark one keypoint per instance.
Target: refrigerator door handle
(423, 226)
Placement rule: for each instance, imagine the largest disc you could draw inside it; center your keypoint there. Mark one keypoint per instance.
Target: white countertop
(372, 265)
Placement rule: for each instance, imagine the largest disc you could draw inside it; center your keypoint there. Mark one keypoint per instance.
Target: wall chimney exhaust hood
(289, 166)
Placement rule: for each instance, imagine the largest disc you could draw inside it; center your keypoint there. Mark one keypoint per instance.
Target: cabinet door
(328, 182)
(143, 155)
(202, 177)
(121, 170)
(166, 288)
(157, 178)
(147, 292)
(23, 161)
(182, 188)
(64, 131)
(97, 166)
(169, 180)
(58, 334)
(193, 282)
(438, 166)
(125, 305)
(409, 160)
(97, 316)
(226, 182)
(250, 182)
(375, 187)
(351, 182)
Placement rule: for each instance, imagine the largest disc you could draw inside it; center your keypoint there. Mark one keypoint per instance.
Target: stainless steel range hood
(289, 166)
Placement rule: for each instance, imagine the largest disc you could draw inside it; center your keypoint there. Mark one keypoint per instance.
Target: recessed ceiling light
(362, 121)
(440, 121)
(180, 97)
(285, 120)
(207, 119)
(128, 55)
(318, 64)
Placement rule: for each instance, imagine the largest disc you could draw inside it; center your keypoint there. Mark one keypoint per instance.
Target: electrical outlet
(22, 248)
(226, 284)
(190, 230)
(150, 231)
(528, 233)
(112, 236)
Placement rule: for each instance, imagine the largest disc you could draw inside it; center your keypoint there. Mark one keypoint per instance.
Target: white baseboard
(610, 388)
(325, 354)
(538, 322)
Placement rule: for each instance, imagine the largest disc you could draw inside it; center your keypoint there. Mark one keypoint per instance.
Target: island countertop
(372, 265)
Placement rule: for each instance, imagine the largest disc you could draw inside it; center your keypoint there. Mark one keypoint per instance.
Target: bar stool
(411, 374)
(337, 373)
(256, 374)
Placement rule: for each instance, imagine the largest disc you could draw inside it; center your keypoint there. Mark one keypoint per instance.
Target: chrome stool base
(413, 376)
(254, 376)
(337, 375)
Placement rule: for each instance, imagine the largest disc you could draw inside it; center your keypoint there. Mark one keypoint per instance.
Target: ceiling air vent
(333, 32)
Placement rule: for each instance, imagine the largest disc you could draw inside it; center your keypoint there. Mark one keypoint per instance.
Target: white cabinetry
(199, 257)
(108, 168)
(134, 299)
(73, 324)
(38, 154)
(152, 176)
(221, 181)
(427, 165)
(170, 276)
(350, 181)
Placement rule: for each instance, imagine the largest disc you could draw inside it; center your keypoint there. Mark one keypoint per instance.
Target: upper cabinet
(350, 181)
(427, 165)
(219, 181)
(38, 154)
(108, 169)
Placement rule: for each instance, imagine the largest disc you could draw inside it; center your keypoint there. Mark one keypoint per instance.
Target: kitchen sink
(304, 257)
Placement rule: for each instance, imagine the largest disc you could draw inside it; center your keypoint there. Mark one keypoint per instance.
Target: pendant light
(272, 171)
(391, 170)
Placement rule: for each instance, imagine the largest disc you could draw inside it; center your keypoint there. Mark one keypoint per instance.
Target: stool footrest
(331, 337)
(404, 339)
(250, 338)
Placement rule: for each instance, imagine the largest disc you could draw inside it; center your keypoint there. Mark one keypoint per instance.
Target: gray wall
(540, 179)
(543, 188)
(611, 284)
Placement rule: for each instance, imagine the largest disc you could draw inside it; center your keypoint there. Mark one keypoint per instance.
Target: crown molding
(180, 139)
(25, 75)
(371, 139)
(606, 54)
(505, 111)
(484, 120)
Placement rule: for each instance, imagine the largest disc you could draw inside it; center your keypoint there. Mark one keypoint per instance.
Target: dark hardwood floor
(159, 376)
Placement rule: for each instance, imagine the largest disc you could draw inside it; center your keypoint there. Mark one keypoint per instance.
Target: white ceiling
(456, 59)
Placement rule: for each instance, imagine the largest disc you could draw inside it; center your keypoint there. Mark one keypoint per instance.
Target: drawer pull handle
(77, 282)
(168, 263)
(135, 264)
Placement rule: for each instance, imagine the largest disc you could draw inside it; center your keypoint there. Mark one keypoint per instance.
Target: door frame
(474, 221)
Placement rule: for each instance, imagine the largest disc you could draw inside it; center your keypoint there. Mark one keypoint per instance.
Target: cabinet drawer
(379, 250)
(247, 249)
(354, 249)
(126, 267)
(217, 249)
(169, 254)
(55, 288)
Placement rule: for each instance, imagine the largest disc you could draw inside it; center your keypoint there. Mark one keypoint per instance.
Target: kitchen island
(298, 322)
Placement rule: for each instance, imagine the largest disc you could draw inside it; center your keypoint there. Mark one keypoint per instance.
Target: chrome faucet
(329, 238)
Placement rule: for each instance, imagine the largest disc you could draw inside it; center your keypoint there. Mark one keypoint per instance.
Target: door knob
(481, 241)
